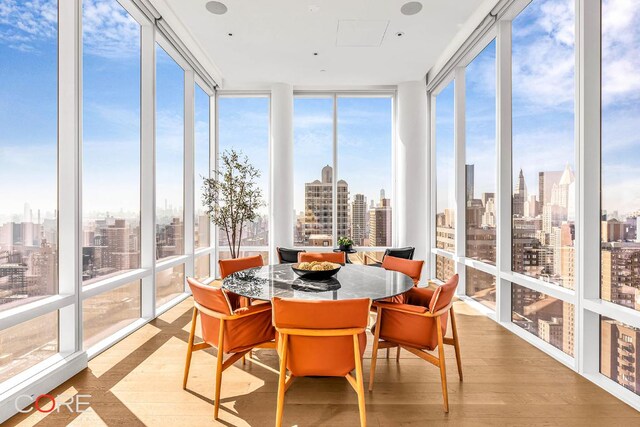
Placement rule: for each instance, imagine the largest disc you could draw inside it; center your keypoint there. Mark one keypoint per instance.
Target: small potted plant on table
(345, 243)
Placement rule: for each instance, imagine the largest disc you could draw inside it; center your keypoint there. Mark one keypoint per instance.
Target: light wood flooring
(506, 382)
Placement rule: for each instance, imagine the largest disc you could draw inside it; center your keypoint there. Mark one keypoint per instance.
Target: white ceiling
(274, 40)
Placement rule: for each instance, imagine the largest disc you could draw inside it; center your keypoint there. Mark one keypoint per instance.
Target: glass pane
(445, 190)
(481, 287)
(28, 152)
(365, 125)
(111, 141)
(169, 284)
(202, 267)
(244, 126)
(546, 317)
(245, 253)
(201, 225)
(27, 344)
(313, 171)
(169, 156)
(366, 257)
(445, 268)
(619, 353)
(620, 280)
(543, 203)
(107, 313)
(480, 169)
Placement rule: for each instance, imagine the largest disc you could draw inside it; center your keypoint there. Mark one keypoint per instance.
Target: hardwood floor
(506, 382)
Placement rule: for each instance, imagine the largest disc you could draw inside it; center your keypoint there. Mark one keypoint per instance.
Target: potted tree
(345, 243)
(232, 197)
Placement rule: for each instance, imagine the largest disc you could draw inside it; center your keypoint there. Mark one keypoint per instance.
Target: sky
(543, 112)
(364, 143)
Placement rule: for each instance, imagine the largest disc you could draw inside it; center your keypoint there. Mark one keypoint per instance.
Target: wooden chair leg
(441, 363)
(359, 381)
(398, 354)
(282, 380)
(388, 352)
(192, 334)
(456, 342)
(374, 354)
(219, 357)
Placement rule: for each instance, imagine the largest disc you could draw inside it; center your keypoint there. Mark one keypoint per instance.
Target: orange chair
(321, 338)
(230, 266)
(337, 257)
(409, 267)
(231, 329)
(419, 325)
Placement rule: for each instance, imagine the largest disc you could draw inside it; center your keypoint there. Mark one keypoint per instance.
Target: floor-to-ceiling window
(444, 166)
(480, 172)
(28, 181)
(543, 204)
(338, 190)
(620, 202)
(169, 173)
(202, 169)
(313, 171)
(110, 164)
(243, 126)
(561, 189)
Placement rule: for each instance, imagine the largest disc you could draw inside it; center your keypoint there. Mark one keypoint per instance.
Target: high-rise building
(519, 195)
(380, 223)
(469, 181)
(359, 219)
(318, 203)
(619, 359)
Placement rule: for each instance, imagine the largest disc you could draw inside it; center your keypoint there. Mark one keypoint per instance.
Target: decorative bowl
(314, 274)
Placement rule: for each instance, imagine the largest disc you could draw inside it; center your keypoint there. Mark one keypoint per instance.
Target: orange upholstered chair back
(337, 257)
(409, 267)
(230, 266)
(327, 355)
(443, 294)
(240, 333)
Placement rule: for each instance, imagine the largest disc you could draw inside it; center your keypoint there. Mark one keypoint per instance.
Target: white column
(412, 168)
(281, 186)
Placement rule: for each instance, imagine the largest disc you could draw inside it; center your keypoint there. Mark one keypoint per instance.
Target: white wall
(281, 207)
(411, 168)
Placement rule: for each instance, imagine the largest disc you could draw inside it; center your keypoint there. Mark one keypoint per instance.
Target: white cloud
(25, 23)
(108, 30)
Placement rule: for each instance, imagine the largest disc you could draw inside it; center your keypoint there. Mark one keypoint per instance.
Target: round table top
(352, 281)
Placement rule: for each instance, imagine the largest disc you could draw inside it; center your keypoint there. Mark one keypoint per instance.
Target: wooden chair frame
(421, 353)
(284, 382)
(221, 365)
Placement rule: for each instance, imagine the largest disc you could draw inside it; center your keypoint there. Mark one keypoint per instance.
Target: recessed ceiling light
(399, 34)
(411, 8)
(322, 71)
(216, 7)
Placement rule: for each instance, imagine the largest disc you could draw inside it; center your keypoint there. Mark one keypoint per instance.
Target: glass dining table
(351, 282)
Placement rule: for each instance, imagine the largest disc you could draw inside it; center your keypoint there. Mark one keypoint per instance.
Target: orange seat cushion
(230, 266)
(337, 257)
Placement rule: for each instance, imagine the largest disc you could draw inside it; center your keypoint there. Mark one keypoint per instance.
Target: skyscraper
(318, 204)
(358, 219)
(469, 180)
(519, 195)
(380, 223)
